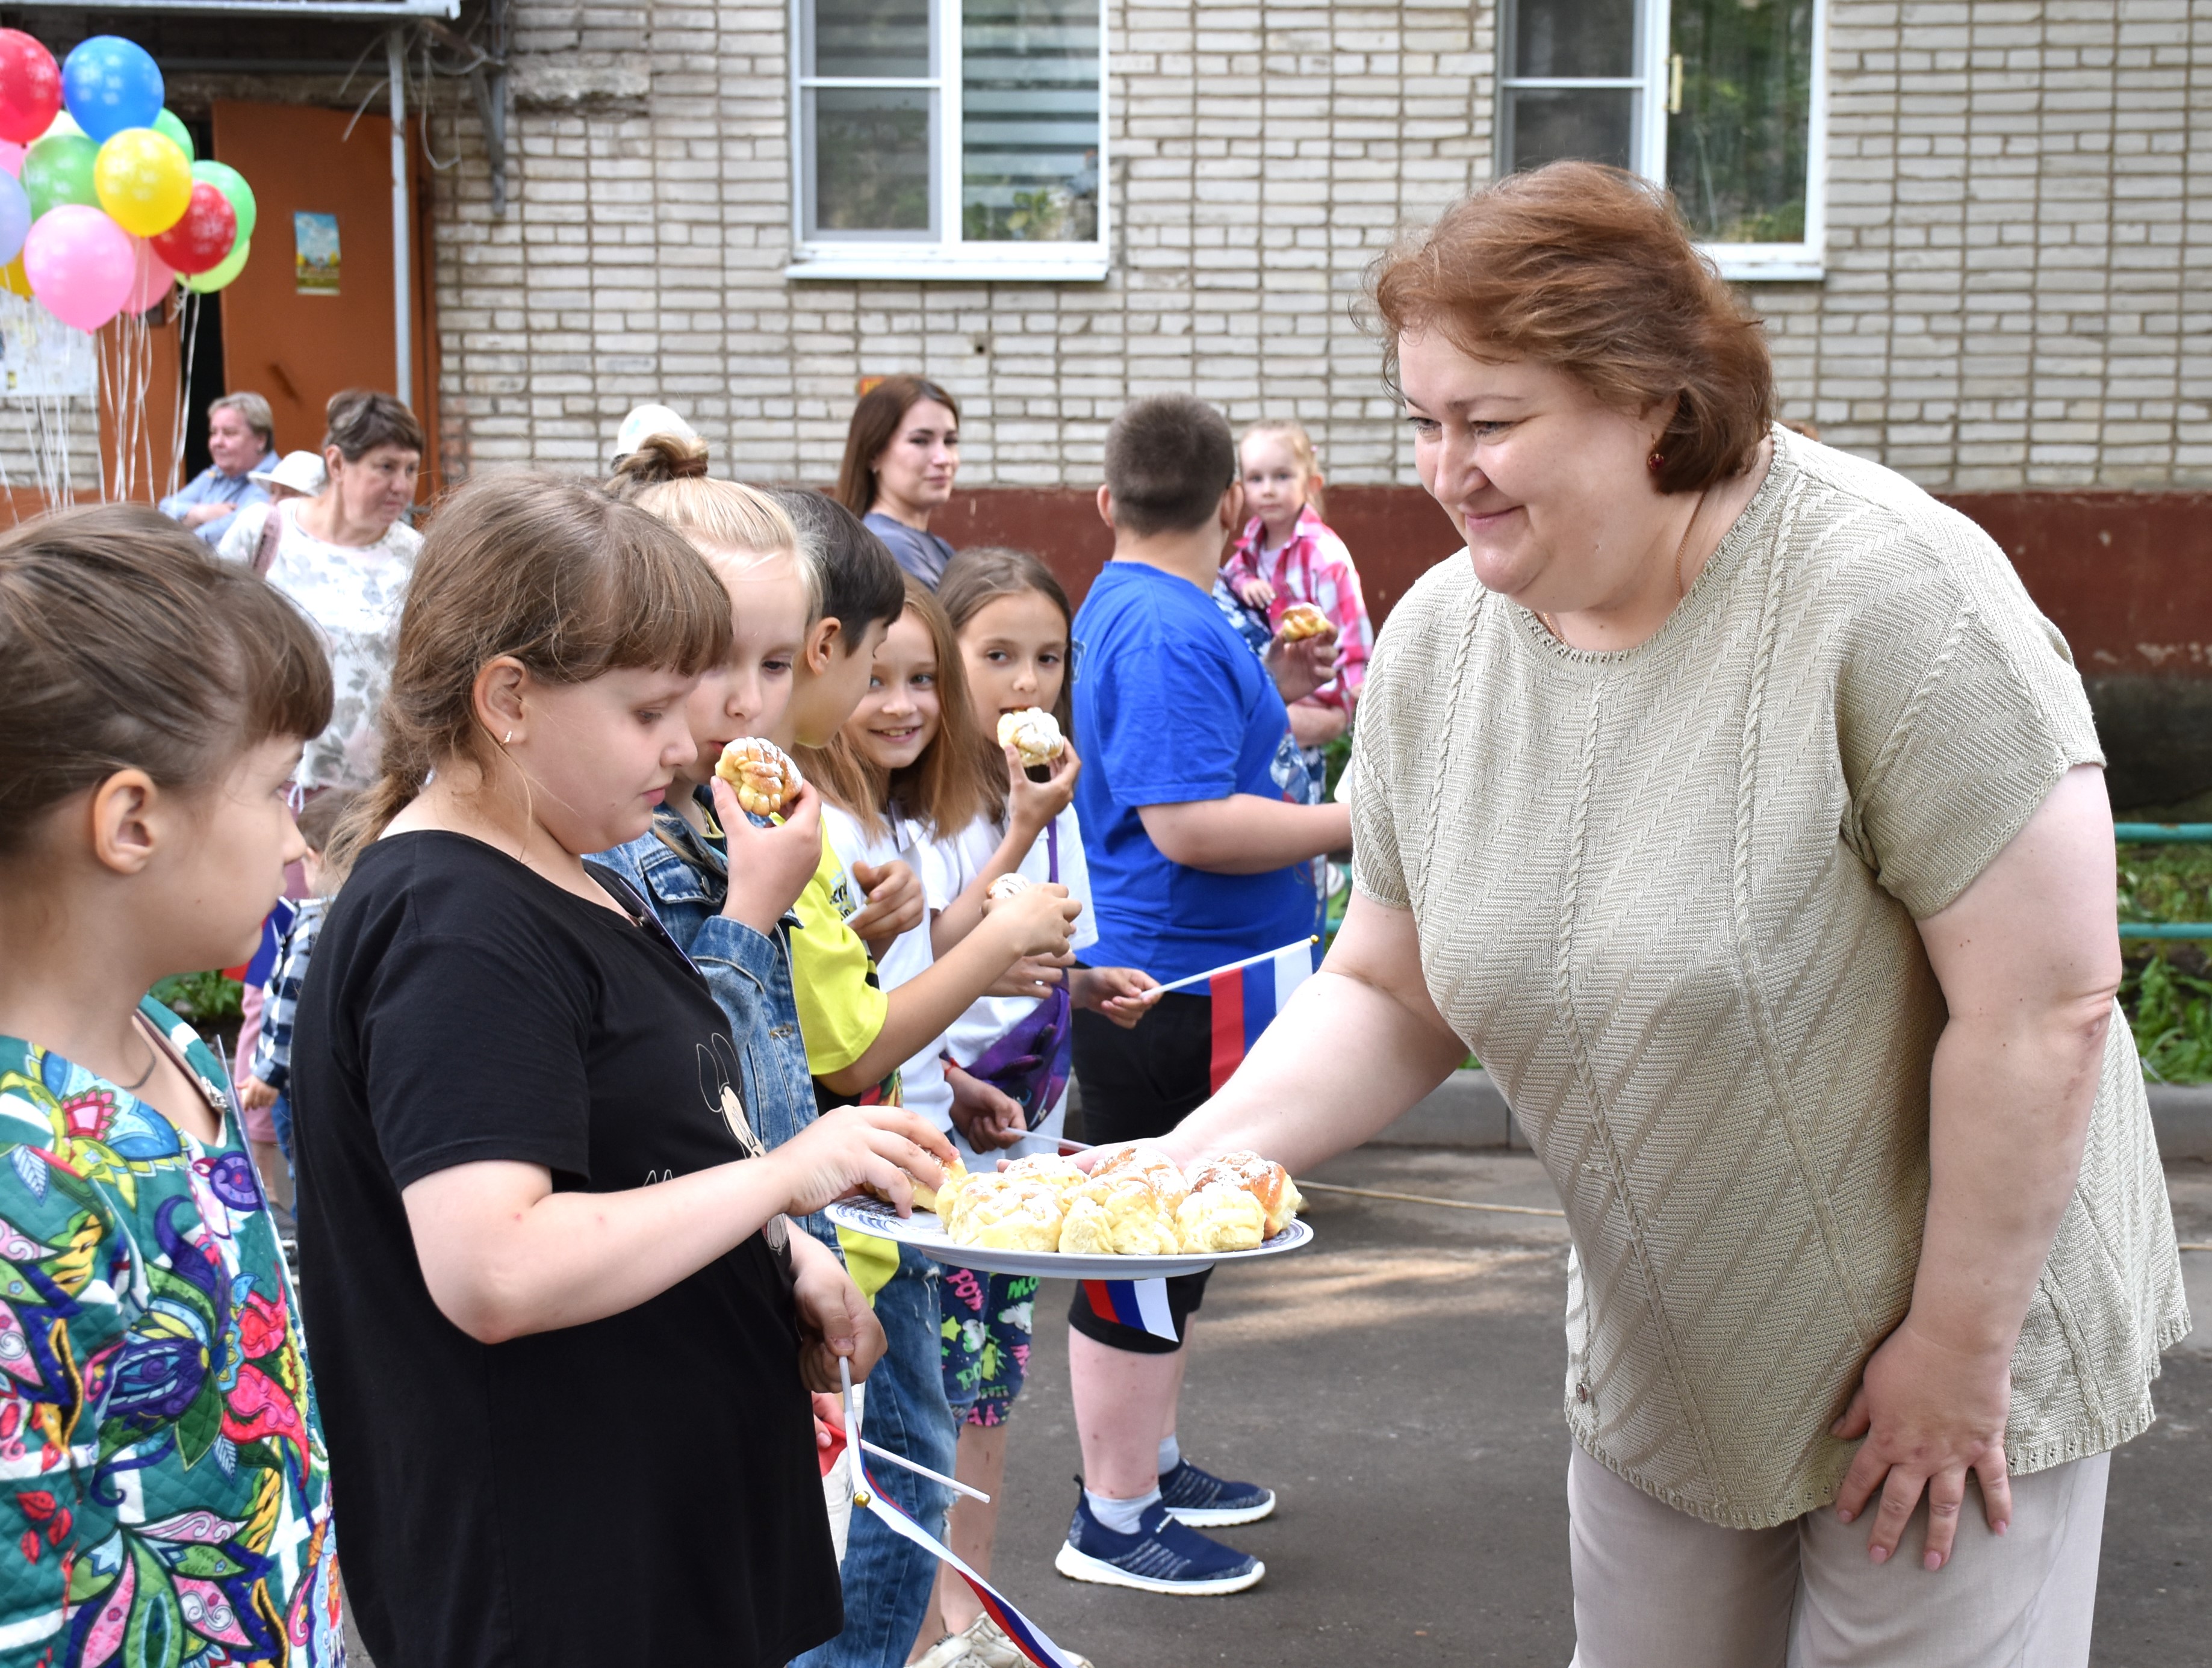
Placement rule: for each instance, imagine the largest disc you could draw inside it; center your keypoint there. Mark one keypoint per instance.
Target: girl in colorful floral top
(1287, 553)
(164, 1496)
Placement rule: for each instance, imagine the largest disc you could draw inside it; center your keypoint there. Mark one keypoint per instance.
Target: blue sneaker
(1207, 1501)
(1161, 1556)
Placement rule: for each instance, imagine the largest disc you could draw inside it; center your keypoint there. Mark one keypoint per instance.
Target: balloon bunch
(102, 207)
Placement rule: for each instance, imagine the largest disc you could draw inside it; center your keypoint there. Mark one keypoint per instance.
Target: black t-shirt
(640, 1489)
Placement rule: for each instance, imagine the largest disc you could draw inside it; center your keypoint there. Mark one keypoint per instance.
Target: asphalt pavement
(1400, 1386)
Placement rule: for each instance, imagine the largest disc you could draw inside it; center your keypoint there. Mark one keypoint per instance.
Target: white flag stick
(902, 1461)
(1231, 966)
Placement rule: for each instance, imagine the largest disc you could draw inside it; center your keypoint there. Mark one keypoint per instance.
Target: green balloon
(175, 133)
(59, 170)
(216, 277)
(232, 184)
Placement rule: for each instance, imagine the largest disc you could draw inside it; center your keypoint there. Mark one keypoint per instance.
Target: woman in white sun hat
(296, 475)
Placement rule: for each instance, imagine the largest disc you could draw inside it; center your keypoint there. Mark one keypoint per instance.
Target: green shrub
(202, 998)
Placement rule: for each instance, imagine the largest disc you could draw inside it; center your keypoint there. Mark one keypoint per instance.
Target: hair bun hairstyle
(658, 458)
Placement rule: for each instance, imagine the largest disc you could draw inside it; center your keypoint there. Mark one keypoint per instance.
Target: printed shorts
(988, 1320)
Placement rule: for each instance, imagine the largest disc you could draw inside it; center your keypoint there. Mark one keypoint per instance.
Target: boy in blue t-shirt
(1201, 843)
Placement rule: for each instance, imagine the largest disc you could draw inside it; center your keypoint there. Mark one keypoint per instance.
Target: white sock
(1120, 1515)
(1170, 1453)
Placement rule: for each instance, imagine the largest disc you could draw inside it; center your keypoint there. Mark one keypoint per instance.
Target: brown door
(297, 336)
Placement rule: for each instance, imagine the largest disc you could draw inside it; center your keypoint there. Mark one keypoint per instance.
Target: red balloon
(30, 87)
(202, 241)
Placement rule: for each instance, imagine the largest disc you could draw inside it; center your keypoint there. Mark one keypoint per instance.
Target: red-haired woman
(1728, 796)
(902, 456)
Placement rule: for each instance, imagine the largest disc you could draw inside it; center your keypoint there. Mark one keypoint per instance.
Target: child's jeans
(888, 1579)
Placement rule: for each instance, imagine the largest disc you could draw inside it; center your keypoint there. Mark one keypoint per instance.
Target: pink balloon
(80, 265)
(11, 157)
(151, 277)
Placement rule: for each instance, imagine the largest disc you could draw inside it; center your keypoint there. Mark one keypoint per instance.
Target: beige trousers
(1657, 1589)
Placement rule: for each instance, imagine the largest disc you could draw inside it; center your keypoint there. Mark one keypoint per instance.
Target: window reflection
(1029, 120)
(1737, 150)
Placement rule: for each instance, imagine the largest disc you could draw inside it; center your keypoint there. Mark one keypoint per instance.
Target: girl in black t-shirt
(564, 1332)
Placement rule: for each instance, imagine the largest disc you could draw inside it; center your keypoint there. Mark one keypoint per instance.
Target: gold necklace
(1681, 590)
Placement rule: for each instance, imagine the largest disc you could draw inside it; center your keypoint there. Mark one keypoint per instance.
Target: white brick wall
(2017, 293)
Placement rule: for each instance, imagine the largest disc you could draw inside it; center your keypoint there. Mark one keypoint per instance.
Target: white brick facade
(2019, 280)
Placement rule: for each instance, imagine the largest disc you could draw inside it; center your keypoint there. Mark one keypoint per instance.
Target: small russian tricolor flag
(1141, 1305)
(1031, 1640)
(1246, 1000)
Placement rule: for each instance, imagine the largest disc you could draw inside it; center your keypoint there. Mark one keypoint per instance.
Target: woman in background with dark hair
(902, 456)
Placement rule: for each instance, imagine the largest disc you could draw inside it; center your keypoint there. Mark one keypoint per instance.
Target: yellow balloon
(14, 279)
(145, 182)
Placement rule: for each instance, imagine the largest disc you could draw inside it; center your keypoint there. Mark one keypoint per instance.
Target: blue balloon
(109, 83)
(14, 217)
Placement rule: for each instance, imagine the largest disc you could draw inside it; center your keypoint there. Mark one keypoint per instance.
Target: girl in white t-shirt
(1009, 1052)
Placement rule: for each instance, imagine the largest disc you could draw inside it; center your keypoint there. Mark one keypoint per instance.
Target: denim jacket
(686, 879)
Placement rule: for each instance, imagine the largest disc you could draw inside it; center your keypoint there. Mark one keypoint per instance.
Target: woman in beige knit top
(1730, 798)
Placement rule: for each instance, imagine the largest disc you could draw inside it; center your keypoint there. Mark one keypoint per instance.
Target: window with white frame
(1721, 100)
(949, 138)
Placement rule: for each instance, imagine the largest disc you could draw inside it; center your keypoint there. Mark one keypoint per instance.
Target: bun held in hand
(1302, 620)
(761, 774)
(1034, 733)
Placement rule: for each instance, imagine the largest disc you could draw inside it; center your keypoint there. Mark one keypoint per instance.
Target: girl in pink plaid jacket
(1286, 555)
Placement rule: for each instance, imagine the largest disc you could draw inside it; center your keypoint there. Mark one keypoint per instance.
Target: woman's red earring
(1655, 463)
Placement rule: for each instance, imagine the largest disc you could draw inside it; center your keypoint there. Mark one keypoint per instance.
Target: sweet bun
(762, 772)
(1302, 620)
(939, 1198)
(1007, 1213)
(1221, 1217)
(1121, 1217)
(1034, 733)
(1007, 885)
(1058, 1173)
(1265, 1180)
(1150, 1164)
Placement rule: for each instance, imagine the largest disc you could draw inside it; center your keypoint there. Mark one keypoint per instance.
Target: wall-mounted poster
(315, 253)
(41, 356)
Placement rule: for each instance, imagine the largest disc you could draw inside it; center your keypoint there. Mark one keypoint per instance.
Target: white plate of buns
(1136, 1216)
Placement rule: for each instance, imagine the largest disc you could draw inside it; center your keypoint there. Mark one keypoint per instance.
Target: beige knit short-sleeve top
(1667, 895)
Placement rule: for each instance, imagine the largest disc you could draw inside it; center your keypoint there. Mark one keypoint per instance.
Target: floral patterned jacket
(164, 1492)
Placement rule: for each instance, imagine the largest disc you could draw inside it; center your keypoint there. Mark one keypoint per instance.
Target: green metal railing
(2164, 833)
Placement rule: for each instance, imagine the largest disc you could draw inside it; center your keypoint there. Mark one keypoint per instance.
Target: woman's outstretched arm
(2028, 956)
(1359, 1043)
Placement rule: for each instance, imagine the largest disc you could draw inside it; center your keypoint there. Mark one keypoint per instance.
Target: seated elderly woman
(242, 442)
(1729, 796)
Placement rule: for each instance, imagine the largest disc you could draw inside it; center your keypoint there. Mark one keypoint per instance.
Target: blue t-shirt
(1172, 705)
